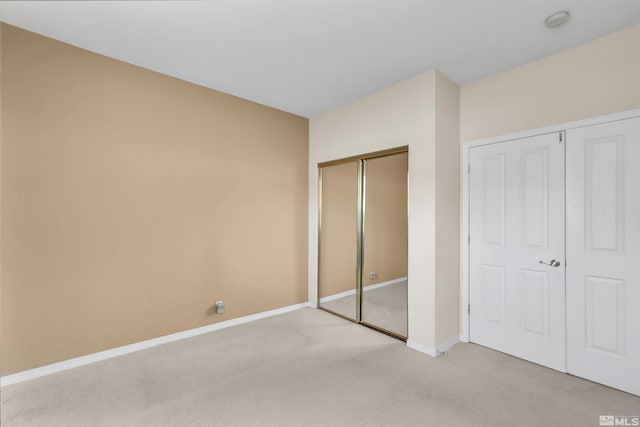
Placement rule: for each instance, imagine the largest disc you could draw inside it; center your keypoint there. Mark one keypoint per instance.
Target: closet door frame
(360, 225)
(464, 191)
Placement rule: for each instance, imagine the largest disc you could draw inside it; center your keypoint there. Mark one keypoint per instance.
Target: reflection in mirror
(384, 281)
(338, 239)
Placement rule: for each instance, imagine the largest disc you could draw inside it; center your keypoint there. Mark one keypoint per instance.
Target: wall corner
(447, 151)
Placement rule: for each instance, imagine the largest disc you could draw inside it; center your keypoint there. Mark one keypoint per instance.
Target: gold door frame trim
(368, 156)
(360, 224)
(384, 331)
(319, 213)
(362, 183)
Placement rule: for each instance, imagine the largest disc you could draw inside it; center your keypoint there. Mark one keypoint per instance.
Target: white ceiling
(308, 56)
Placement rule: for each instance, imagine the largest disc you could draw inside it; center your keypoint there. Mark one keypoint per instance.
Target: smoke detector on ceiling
(557, 19)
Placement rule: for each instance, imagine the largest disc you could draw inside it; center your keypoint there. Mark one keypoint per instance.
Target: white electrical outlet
(219, 307)
(373, 275)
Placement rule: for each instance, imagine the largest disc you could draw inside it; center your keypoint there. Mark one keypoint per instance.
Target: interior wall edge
(402, 114)
(447, 153)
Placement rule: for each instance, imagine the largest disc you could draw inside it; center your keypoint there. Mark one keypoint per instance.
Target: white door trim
(464, 205)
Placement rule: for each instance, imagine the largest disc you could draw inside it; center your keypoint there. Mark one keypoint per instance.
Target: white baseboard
(338, 296)
(364, 288)
(422, 348)
(383, 284)
(434, 352)
(447, 345)
(126, 349)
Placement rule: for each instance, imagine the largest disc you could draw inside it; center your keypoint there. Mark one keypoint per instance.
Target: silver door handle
(552, 263)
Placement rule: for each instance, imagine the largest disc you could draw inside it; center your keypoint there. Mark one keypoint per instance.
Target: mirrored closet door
(338, 239)
(362, 263)
(384, 279)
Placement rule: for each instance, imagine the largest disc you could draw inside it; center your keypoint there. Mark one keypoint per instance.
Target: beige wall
(447, 153)
(338, 235)
(596, 78)
(132, 201)
(386, 237)
(402, 114)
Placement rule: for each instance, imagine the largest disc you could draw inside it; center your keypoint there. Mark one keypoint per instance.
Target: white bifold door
(603, 253)
(575, 308)
(517, 292)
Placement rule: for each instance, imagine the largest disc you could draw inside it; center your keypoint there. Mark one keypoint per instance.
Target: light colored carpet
(385, 307)
(309, 368)
(345, 306)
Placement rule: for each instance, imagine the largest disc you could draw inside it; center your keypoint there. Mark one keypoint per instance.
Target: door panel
(493, 283)
(535, 197)
(338, 239)
(516, 221)
(384, 281)
(603, 253)
(493, 192)
(534, 296)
